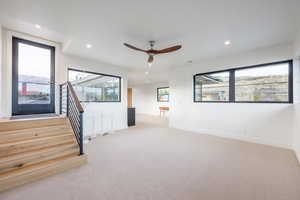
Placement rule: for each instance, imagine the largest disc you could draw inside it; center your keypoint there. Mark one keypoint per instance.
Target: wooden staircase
(32, 149)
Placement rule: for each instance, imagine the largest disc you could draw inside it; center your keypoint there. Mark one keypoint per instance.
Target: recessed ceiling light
(88, 46)
(227, 42)
(146, 72)
(37, 26)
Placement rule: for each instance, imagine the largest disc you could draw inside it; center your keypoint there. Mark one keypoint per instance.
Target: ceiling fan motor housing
(151, 42)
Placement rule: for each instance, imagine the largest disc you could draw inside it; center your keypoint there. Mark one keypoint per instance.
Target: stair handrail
(78, 104)
(74, 111)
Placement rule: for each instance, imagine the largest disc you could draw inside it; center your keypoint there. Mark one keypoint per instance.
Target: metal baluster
(81, 134)
(74, 111)
(67, 100)
(60, 99)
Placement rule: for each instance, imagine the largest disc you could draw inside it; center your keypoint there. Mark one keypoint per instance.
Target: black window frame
(207, 73)
(27, 109)
(157, 92)
(232, 83)
(102, 74)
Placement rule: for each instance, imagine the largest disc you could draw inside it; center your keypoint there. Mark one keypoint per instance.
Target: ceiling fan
(152, 52)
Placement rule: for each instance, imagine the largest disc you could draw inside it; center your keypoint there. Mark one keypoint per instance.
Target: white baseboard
(238, 136)
(149, 114)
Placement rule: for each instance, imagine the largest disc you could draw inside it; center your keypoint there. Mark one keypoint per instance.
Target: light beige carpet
(153, 162)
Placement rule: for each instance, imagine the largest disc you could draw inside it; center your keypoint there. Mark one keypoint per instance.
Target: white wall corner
(145, 99)
(297, 152)
(296, 138)
(296, 80)
(296, 134)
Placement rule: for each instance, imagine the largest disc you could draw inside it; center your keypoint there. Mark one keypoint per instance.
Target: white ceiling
(201, 26)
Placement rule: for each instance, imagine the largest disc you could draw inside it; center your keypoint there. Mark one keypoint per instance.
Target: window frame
(102, 74)
(158, 93)
(23, 109)
(232, 83)
(206, 73)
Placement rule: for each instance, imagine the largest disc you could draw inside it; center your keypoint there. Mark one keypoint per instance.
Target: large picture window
(163, 94)
(270, 83)
(212, 87)
(266, 83)
(95, 87)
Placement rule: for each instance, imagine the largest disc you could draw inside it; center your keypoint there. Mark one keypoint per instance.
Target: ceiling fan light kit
(152, 52)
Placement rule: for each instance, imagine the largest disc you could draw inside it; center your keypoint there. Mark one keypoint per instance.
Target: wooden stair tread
(9, 119)
(21, 155)
(33, 144)
(37, 158)
(38, 171)
(37, 166)
(20, 124)
(34, 129)
(10, 140)
(34, 140)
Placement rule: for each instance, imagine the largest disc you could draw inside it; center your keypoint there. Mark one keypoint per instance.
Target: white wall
(297, 46)
(262, 123)
(296, 141)
(98, 117)
(3, 79)
(145, 98)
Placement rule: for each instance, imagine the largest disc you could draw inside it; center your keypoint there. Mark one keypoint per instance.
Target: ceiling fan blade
(150, 59)
(134, 48)
(167, 50)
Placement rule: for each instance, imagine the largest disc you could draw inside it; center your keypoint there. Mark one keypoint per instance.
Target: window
(95, 87)
(263, 84)
(266, 83)
(34, 73)
(212, 87)
(163, 94)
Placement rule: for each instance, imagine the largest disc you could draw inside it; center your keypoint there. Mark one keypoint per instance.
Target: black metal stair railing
(71, 106)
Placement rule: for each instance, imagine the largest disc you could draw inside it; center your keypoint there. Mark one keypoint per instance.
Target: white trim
(32, 38)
